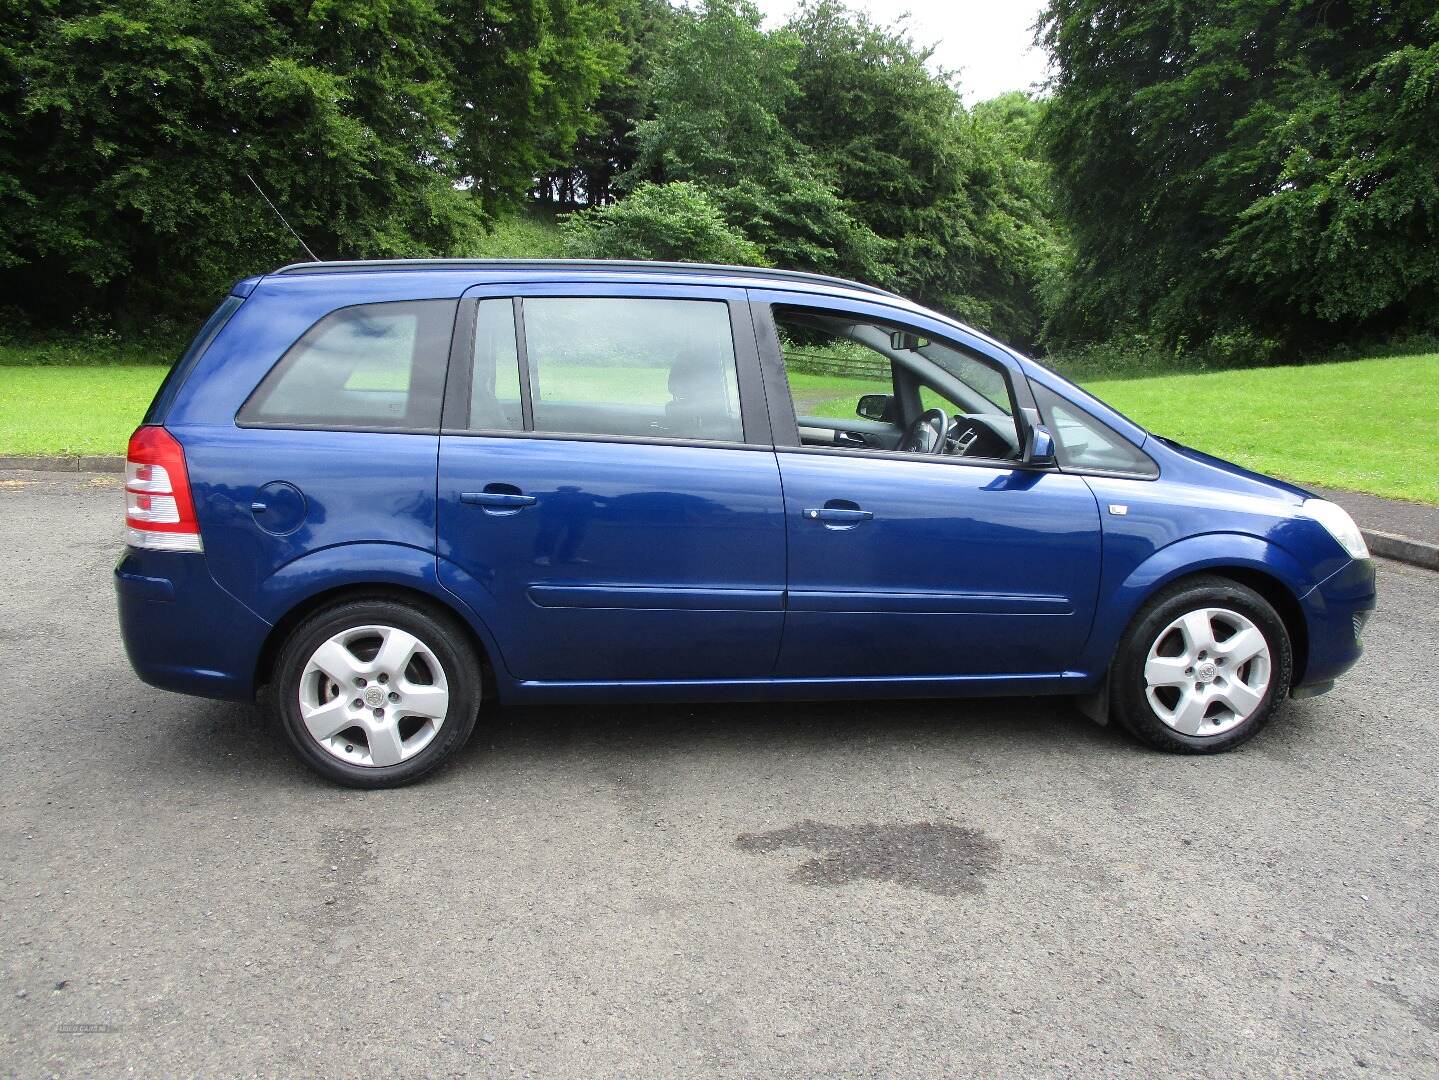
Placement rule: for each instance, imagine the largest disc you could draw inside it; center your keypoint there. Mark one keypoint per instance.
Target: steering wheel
(928, 433)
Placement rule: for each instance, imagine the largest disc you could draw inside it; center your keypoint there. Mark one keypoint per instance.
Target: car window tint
(1082, 442)
(495, 376)
(371, 366)
(633, 366)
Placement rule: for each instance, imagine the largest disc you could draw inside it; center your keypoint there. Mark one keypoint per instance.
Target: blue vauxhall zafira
(378, 495)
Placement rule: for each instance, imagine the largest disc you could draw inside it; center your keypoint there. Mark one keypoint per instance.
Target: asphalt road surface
(918, 889)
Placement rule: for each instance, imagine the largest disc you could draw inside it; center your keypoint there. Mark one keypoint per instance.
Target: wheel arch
(1258, 564)
(1280, 598)
(390, 572)
(280, 632)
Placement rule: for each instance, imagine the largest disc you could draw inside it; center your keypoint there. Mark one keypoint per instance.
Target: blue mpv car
(381, 493)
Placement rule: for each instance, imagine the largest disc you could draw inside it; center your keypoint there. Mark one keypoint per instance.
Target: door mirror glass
(1039, 446)
(876, 407)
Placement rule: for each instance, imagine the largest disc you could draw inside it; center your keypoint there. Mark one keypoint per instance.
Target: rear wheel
(1202, 668)
(373, 693)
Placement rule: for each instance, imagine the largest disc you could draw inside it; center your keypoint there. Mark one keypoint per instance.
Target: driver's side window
(828, 375)
(862, 385)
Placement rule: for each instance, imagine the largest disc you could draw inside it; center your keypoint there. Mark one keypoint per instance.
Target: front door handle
(833, 517)
(497, 500)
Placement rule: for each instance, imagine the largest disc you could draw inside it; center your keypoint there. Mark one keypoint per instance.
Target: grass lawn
(1365, 425)
(73, 410)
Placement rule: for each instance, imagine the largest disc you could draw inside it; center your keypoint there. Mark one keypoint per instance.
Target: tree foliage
(607, 148)
(718, 93)
(833, 146)
(1256, 168)
(130, 127)
(957, 195)
(675, 222)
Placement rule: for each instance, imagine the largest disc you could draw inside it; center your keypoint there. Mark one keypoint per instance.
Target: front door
(919, 542)
(609, 502)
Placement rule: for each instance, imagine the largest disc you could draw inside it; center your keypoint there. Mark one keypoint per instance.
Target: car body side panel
(1156, 533)
(332, 488)
(633, 561)
(961, 570)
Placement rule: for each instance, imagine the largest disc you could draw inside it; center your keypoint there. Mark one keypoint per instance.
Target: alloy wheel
(1207, 671)
(373, 696)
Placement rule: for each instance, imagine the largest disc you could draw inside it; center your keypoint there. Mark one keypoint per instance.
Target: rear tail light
(159, 513)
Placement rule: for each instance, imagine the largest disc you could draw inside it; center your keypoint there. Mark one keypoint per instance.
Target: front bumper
(1335, 612)
(183, 632)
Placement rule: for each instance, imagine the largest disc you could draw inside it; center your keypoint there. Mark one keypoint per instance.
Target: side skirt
(866, 688)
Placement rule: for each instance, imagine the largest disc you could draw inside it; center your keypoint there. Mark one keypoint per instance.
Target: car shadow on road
(244, 741)
(792, 725)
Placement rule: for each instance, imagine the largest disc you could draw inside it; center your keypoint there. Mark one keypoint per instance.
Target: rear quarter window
(371, 367)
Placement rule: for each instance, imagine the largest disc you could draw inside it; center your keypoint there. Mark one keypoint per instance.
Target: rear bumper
(1335, 612)
(183, 632)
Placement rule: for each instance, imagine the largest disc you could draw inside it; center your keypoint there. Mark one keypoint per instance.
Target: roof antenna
(272, 206)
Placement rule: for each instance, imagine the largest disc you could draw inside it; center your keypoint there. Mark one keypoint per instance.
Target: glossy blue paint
(634, 561)
(182, 631)
(1329, 613)
(1202, 515)
(634, 569)
(390, 500)
(962, 570)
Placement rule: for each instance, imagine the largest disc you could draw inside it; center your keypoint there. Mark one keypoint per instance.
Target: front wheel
(373, 693)
(1202, 668)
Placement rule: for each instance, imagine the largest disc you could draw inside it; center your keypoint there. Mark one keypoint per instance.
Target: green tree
(131, 125)
(675, 221)
(1017, 268)
(961, 198)
(527, 73)
(719, 91)
(1260, 170)
(604, 153)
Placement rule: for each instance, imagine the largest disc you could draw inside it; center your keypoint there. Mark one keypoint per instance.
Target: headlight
(1339, 524)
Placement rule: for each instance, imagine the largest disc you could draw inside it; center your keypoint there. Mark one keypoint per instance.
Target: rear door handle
(834, 517)
(497, 500)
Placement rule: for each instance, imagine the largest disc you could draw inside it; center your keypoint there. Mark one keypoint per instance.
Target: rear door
(609, 501)
(909, 564)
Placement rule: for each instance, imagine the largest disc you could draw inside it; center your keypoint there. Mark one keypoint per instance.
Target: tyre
(1202, 667)
(374, 693)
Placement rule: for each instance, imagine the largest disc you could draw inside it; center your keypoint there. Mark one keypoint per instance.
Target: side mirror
(1039, 446)
(875, 407)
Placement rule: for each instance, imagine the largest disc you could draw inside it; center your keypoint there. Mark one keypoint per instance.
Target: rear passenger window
(375, 367)
(495, 376)
(633, 366)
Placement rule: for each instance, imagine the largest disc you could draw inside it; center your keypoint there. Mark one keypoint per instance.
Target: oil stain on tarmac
(936, 857)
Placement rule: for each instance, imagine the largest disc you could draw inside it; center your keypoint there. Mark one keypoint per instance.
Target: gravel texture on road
(912, 889)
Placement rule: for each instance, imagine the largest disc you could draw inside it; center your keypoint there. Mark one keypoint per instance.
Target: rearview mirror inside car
(876, 407)
(904, 341)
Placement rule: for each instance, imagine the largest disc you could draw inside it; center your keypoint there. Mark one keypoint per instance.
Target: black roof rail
(591, 265)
